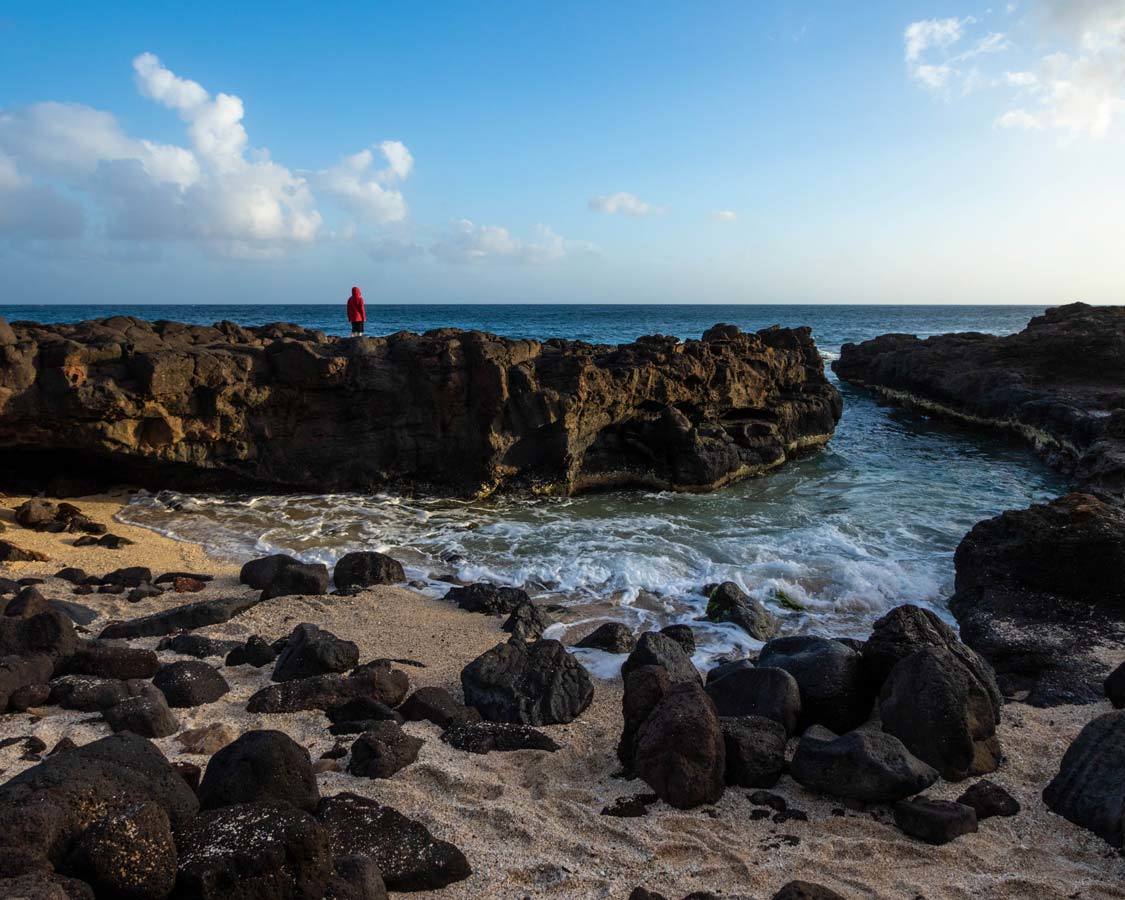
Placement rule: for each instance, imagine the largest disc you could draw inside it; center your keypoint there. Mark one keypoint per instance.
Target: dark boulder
(935, 821)
(828, 674)
(197, 645)
(48, 632)
(769, 692)
(130, 577)
(255, 652)
(409, 857)
(726, 668)
(90, 694)
(489, 599)
(45, 886)
(260, 767)
(755, 751)
(644, 689)
(383, 750)
(258, 573)
(943, 714)
(181, 618)
(297, 580)
(311, 651)
(146, 714)
(172, 577)
(9, 553)
(527, 622)
(190, 683)
(612, 637)
(128, 854)
(862, 765)
(656, 649)
(529, 684)
(1089, 788)
(363, 569)
(252, 851)
(437, 705)
(375, 681)
(682, 635)
(18, 673)
(1115, 687)
(729, 603)
(988, 799)
(486, 737)
(680, 750)
(363, 709)
(355, 878)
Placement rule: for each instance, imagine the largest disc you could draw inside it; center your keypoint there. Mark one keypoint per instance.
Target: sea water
(829, 542)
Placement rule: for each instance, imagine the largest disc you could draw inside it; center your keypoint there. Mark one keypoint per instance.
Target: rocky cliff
(1059, 383)
(449, 411)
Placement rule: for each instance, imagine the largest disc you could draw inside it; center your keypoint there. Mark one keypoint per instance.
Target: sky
(587, 152)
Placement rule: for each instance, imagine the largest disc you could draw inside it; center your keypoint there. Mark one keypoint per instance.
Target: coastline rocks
(680, 749)
(365, 568)
(489, 599)
(502, 737)
(527, 622)
(38, 514)
(252, 851)
(128, 854)
(942, 713)
(355, 878)
(45, 886)
(21, 674)
(197, 645)
(90, 694)
(36, 628)
(935, 821)
(260, 767)
(311, 651)
(527, 684)
(10, 553)
(1089, 788)
(383, 750)
(375, 681)
(146, 714)
(207, 740)
(748, 691)
(408, 856)
(827, 672)
(181, 618)
(437, 705)
(644, 688)
(988, 799)
(1038, 591)
(862, 765)
(258, 573)
(255, 652)
(297, 580)
(190, 683)
(470, 413)
(729, 603)
(106, 660)
(755, 751)
(655, 648)
(612, 637)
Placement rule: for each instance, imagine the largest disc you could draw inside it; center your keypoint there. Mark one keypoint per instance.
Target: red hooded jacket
(357, 312)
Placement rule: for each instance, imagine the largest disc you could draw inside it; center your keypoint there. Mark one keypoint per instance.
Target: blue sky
(583, 152)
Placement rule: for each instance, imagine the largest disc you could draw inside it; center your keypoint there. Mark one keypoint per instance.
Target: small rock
(612, 637)
(190, 683)
(144, 592)
(363, 569)
(255, 652)
(863, 765)
(682, 635)
(128, 854)
(207, 739)
(630, 807)
(311, 651)
(989, 799)
(485, 737)
(527, 622)
(258, 573)
(260, 767)
(767, 798)
(729, 603)
(197, 645)
(382, 751)
(437, 705)
(147, 715)
(1115, 687)
(489, 599)
(935, 821)
(184, 584)
(656, 649)
(298, 579)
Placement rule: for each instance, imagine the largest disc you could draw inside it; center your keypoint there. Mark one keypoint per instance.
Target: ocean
(829, 542)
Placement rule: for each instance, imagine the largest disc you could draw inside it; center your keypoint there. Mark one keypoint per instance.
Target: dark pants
(357, 328)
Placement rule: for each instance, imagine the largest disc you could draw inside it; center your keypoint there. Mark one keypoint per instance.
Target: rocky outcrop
(1059, 384)
(449, 411)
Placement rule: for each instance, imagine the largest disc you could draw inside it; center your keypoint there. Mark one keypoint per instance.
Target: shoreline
(529, 822)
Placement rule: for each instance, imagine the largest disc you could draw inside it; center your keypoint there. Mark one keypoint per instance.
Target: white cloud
(465, 242)
(930, 58)
(933, 33)
(724, 215)
(361, 190)
(1019, 118)
(624, 203)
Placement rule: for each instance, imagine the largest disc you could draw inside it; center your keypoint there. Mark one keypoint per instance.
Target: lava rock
(45, 886)
(489, 599)
(656, 649)
(1089, 789)
(828, 674)
(297, 580)
(355, 878)
(170, 577)
(146, 714)
(528, 684)
(251, 851)
(49, 632)
(727, 668)
(383, 750)
(935, 821)
(753, 691)
(863, 765)
(612, 637)
(1115, 687)
(755, 751)
(437, 705)
(72, 574)
(682, 635)
(410, 858)
(190, 683)
(363, 709)
(943, 714)
(365, 568)
(197, 645)
(680, 751)
(376, 681)
(485, 737)
(527, 622)
(181, 618)
(207, 739)
(260, 767)
(105, 660)
(128, 854)
(89, 694)
(644, 689)
(9, 552)
(258, 573)
(130, 577)
(806, 890)
(20, 673)
(989, 799)
(729, 603)
(255, 652)
(311, 651)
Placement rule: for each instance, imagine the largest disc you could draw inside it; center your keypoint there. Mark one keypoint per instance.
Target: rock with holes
(437, 705)
(644, 688)
(146, 714)
(530, 684)
(729, 603)
(489, 599)
(935, 821)
(366, 568)
(190, 683)
(297, 579)
(657, 649)
(375, 681)
(612, 637)
(383, 750)
(128, 854)
(504, 737)
(260, 767)
(755, 751)
(312, 651)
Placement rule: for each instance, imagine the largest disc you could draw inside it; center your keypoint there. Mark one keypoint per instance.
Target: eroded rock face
(1089, 789)
(450, 411)
(1059, 383)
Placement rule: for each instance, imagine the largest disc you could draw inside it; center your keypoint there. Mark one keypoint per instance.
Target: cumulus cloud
(217, 191)
(624, 203)
(724, 215)
(465, 242)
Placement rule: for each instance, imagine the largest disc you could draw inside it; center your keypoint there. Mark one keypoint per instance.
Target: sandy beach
(530, 822)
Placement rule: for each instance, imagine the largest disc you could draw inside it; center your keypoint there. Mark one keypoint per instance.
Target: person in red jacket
(357, 312)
